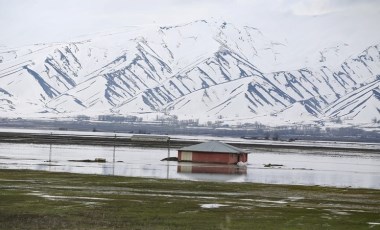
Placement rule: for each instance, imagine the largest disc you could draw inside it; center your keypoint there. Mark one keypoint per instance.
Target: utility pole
(167, 162)
(168, 147)
(114, 153)
(51, 140)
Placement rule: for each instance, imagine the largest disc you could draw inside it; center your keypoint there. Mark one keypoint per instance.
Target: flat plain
(47, 200)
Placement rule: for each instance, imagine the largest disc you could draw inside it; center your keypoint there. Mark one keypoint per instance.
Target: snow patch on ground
(373, 224)
(52, 197)
(212, 205)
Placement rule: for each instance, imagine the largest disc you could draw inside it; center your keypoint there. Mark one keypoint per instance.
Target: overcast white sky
(34, 21)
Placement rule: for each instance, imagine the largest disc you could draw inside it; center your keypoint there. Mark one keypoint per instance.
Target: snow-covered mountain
(200, 70)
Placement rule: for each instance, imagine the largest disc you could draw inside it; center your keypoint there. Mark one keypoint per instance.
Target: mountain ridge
(200, 70)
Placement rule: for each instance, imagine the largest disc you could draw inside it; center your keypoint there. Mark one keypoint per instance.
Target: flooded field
(358, 170)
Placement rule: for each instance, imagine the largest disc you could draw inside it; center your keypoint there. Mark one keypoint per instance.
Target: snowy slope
(361, 105)
(253, 93)
(201, 70)
(6, 103)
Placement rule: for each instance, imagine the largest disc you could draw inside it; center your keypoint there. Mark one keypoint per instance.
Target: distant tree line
(113, 118)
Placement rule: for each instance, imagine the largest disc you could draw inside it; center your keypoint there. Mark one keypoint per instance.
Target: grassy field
(45, 200)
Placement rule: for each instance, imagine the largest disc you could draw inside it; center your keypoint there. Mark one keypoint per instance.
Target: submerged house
(212, 152)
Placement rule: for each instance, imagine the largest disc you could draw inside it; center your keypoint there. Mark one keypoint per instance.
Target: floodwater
(359, 170)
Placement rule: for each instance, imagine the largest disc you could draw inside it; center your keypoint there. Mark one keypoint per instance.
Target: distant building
(154, 138)
(212, 152)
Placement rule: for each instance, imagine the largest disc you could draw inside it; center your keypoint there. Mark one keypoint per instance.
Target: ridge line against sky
(27, 22)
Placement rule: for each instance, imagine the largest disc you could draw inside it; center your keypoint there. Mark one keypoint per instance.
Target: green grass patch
(45, 200)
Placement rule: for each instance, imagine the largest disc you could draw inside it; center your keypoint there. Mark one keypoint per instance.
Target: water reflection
(211, 172)
(210, 168)
(342, 170)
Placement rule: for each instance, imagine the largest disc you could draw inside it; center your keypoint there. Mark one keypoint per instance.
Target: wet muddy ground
(45, 200)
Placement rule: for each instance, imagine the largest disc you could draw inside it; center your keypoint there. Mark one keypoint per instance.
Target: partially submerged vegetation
(46, 200)
(96, 160)
(272, 165)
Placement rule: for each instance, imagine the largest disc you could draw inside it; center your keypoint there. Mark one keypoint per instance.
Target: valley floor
(46, 200)
(249, 131)
(175, 141)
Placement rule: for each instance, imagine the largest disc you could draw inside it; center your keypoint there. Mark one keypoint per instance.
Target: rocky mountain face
(202, 70)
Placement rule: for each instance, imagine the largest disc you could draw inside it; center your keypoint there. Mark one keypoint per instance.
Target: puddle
(296, 198)
(90, 203)
(178, 196)
(338, 212)
(373, 223)
(213, 205)
(243, 207)
(52, 197)
(274, 201)
(9, 180)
